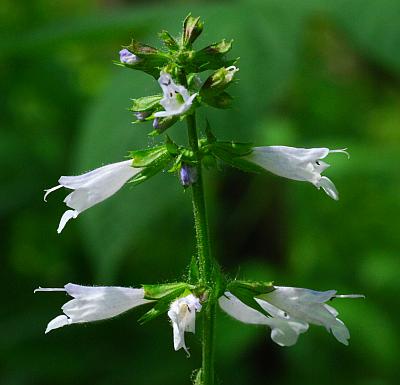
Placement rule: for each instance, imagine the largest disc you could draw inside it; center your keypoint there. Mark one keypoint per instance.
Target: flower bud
(161, 124)
(192, 28)
(219, 80)
(144, 58)
(188, 175)
(127, 57)
(141, 116)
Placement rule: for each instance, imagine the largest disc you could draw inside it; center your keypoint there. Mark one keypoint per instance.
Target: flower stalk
(205, 261)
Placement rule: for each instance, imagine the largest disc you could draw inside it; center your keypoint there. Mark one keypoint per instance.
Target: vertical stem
(205, 260)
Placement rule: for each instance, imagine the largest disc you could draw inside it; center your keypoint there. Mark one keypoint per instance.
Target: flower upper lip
(173, 106)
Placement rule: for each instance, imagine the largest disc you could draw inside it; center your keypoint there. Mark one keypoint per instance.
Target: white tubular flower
(284, 331)
(291, 310)
(182, 314)
(176, 100)
(95, 303)
(296, 163)
(93, 187)
(309, 307)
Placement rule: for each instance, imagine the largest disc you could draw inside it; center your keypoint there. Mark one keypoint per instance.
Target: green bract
(192, 28)
(246, 291)
(164, 294)
(146, 103)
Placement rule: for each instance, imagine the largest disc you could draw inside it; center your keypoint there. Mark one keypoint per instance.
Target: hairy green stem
(205, 261)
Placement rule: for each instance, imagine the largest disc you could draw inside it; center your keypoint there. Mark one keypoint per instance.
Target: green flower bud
(218, 81)
(161, 124)
(192, 28)
(149, 59)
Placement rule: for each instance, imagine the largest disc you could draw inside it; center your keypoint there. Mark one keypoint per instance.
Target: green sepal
(256, 287)
(146, 103)
(161, 307)
(218, 81)
(152, 170)
(246, 291)
(168, 40)
(151, 60)
(177, 164)
(171, 146)
(222, 100)
(211, 57)
(164, 294)
(233, 154)
(159, 291)
(233, 148)
(211, 138)
(144, 158)
(163, 124)
(192, 29)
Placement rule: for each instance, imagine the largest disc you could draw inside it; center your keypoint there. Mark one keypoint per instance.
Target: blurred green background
(313, 73)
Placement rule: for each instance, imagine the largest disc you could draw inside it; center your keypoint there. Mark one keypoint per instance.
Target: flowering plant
(179, 69)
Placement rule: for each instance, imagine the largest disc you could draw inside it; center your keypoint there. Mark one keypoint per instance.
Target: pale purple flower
(188, 175)
(127, 57)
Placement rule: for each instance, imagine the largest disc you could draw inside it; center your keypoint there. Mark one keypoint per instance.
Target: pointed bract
(95, 303)
(93, 187)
